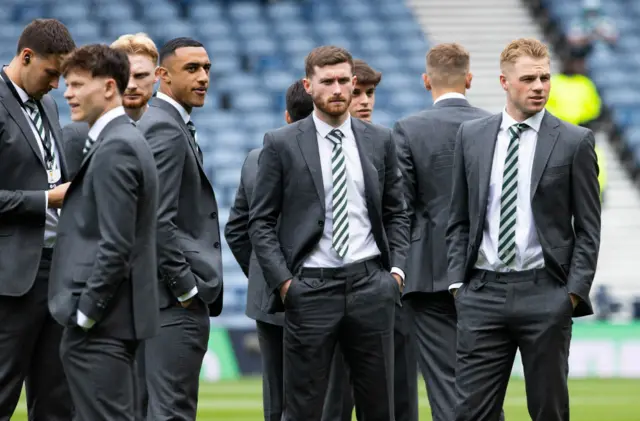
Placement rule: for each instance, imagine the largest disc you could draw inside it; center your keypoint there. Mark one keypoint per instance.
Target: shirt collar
(449, 95)
(102, 122)
(534, 121)
(324, 129)
(183, 113)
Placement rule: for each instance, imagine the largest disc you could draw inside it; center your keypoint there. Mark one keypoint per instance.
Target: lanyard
(47, 146)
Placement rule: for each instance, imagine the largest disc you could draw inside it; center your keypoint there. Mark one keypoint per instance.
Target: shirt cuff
(398, 271)
(84, 321)
(188, 295)
(455, 286)
(46, 200)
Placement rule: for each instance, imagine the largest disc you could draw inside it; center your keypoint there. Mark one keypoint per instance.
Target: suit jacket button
(216, 245)
(214, 215)
(321, 223)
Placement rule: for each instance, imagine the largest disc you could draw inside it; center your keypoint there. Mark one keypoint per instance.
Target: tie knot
(517, 129)
(31, 105)
(335, 136)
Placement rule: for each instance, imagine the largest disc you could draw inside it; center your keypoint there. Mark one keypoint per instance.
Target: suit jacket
(188, 232)
(564, 200)
(289, 184)
(23, 182)
(74, 136)
(425, 144)
(237, 234)
(106, 239)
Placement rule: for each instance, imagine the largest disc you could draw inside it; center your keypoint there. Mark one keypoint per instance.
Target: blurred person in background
(33, 184)
(523, 240)
(299, 105)
(590, 28)
(334, 260)
(426, 142)
(189, 255)
(575, 99)
(143, 59)
(339, 400)
(103, 287)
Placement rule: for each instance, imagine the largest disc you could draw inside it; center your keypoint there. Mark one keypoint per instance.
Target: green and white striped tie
(340, 236)
(34, 113)
(509, 197)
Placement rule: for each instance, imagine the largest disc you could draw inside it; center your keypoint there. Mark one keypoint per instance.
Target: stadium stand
(614, 69)
(257, 51)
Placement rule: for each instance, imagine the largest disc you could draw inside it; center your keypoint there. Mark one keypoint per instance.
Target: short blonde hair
(139, 43)
(523, 47)
(448, 64)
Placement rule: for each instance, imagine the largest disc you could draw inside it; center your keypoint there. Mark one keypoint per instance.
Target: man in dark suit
(269, 326)
(339, 400)
(523, 240)
(425, 150)
(189, 258)
(101, 287)
(143, 59)
(336, 184)
(33, 183)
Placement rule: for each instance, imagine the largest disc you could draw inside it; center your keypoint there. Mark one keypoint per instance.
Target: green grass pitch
(591, 400)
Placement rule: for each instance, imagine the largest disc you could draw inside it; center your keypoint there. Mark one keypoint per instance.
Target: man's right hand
(283, 289)
(56, 195)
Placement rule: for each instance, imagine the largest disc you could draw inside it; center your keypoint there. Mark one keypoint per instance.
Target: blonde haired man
(523, 241)
(143, 59)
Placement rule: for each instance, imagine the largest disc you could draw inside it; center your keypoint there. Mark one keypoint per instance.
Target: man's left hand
(398, 280)
(574, 300)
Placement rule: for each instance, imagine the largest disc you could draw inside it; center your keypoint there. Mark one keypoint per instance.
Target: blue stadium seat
(251, 101)
(284, 11)
(205, 12)
(68, 13)
(125, 26)
(113, 12)
(225, 64)
(160, 12)
(245, 11)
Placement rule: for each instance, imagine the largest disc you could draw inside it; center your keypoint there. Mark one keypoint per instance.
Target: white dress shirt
(186, 117)
(449, 95)
(362, 245)
(528, 248)
(51, 220)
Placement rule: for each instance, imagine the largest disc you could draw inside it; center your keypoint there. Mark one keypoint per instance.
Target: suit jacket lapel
(308, 143)
(85, 161)
(547, 138)
(159, 102)
(15, 111)
(487, 146)
(369, 171)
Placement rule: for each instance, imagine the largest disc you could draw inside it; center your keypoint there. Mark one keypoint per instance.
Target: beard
(333, 109)
(136, 103)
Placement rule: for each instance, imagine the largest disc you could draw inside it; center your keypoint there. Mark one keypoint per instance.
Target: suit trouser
(173, 360)
(100, 374)
(351, 306)
(29, 353)
(339, 403)
(140, 384)
(499, 314)
(270, 338)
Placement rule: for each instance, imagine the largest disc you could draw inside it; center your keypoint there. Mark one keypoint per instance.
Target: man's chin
(134, 105)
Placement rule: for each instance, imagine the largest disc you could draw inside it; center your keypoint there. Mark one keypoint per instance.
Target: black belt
(506, 277)
(352, 270)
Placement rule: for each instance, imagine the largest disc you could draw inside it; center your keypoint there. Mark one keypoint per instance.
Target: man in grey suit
(189, 258)
(101, 287)
(523, 240)
(425, 150)
(33, 183)
(336, 185)
(143, 59)
(339, 400)
(269, 326)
